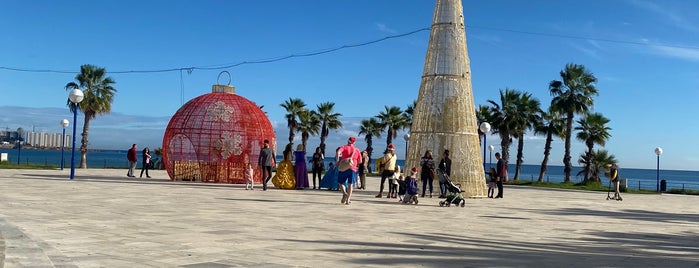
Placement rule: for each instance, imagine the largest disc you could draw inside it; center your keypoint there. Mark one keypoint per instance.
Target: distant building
(46, 140)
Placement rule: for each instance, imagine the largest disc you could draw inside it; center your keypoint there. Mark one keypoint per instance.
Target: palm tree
(293, 107)
(99, 95)
(573, 95)
(526, 117)
(329, 119)
(594, 163)
(502, 121)
(309, 124)
(409, 111)
(593, 130)
(392, 119)
(552, 125)
(370, 128)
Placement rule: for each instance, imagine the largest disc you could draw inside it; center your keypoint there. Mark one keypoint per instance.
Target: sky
(643, 53)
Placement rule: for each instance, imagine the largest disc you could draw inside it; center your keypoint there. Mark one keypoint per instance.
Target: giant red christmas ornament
(212, 137)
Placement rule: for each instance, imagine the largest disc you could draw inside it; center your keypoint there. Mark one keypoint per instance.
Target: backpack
(412, 186)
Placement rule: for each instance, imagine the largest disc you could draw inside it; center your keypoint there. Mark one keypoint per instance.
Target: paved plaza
(104, 219)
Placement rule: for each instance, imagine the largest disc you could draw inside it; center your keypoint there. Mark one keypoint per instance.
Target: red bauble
(212, 137)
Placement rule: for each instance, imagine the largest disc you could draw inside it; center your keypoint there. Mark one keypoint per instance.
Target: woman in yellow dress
(284, 178)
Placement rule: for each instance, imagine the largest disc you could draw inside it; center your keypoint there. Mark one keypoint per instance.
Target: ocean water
(636, 178)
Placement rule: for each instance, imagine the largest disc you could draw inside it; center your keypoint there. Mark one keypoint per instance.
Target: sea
(646, 179)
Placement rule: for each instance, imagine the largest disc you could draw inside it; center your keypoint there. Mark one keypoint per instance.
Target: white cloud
(690, 54)
(384, 28)
(674, 17)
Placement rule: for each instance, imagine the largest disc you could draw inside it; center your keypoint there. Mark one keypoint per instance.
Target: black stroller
(454, 195)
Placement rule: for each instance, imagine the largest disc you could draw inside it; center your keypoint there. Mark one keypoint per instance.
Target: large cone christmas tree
(444, 116)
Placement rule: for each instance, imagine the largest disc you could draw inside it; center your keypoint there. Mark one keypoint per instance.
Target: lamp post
(490, 149)
(75, 96)
(406, 137)
(658, 152)
(485, 128)
(64, 124)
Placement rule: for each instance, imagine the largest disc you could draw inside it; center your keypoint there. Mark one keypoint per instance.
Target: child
(393, 183)
(491, 183)
(249, 171)
(411, 187)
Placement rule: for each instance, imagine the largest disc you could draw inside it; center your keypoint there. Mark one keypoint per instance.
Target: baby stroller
(454, 195)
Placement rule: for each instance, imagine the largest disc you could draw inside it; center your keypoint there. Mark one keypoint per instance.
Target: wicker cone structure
(444, 116)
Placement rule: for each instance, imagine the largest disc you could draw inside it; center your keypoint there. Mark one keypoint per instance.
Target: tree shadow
(628, 214)
(606, 249)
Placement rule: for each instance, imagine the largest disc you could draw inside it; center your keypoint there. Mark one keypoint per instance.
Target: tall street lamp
(406, 137)
(490, 149)
(75, 96)
(64, 124)
(658, 152)
(485, 128)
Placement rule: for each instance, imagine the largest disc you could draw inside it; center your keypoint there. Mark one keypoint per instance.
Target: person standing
(445, 166)
(363, 170)
(501, 171)
(388, 164)
(317, 164)
(351, 154)
(300, 169)
(614, 176)
(427, 171)
(266, 161)
(133, 158)
(145, 164)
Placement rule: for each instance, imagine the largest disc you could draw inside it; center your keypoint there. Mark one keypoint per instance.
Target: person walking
(317, 165)
(266, 161)
(133, 159)
(145, 164)
(427, 171)
(351, 156)
(444, 166)
(388, 164)
(501, 171)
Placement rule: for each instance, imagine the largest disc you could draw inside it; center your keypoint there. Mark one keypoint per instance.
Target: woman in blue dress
(329, 180)
(300, 169)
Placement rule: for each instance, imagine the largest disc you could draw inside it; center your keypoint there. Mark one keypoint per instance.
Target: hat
(352, 139)
(413, 170)
(391, 147)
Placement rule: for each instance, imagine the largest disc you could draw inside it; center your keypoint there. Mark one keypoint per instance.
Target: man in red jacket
(133, 159)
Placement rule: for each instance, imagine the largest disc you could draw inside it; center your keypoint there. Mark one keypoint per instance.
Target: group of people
(289, 175)
(351, 167)
(132, 156)
(497, 175)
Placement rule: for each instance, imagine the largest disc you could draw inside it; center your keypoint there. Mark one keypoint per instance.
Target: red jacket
(131, 155)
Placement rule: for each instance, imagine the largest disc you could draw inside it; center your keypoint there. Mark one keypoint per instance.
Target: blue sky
(644, 54)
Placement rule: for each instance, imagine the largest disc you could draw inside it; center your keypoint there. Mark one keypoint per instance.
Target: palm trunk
(505, 142)
(566, 157)
(588, 169)
(369, 149)
(83, 146)
(547, 152)
(291, 134)
(323, 135)
(520, 148)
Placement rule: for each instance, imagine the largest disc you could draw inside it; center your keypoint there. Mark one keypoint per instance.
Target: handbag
(345, 164)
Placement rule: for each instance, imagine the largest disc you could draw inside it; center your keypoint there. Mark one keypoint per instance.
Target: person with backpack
(133, 158)
(411, 187)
